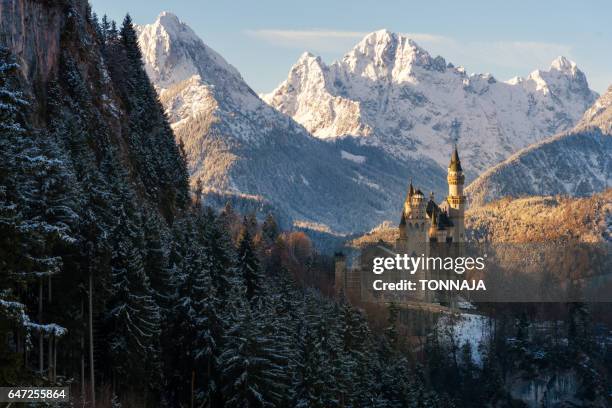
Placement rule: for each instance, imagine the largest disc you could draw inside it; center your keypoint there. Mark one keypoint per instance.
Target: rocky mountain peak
(173, 52)
(563, 64)
(563, 79)
(170, 22)
(384, 54)
(308, 64)
(306, 57)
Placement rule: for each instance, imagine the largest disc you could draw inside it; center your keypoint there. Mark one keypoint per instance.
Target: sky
(264, 38)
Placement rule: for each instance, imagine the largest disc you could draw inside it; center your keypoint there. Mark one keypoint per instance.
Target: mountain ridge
(389, 92)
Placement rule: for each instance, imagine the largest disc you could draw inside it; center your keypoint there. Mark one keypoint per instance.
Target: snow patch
(352, 157)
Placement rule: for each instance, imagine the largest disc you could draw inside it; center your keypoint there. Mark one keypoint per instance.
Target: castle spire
(410, 189)
(455, 163)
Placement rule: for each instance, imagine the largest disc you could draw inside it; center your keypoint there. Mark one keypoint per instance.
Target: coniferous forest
(116, 281)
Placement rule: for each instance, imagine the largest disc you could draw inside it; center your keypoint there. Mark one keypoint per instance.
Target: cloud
(325, 40)
(311, 40)
(478, 56)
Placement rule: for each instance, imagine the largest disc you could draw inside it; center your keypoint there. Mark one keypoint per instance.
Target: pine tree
(391, 329)
(357, 353)
(37, 203)
(252, 363)
(133, 317)
(248, 265)
(269, 230)
(155, 256)
(105, 27)
(12, 133)
(222, 254)
(208, 341)
(312, 379)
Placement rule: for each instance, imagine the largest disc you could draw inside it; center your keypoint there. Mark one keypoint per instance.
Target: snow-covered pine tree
(357, 356)
(209, 328)
(312, 379)
(254, 367)
(194, 327)
(156, 254)
(133, 318)
(37, 183)
(11, 139)
(105, 27)
(222, 254)
(13, 317)
(248, 264)
(324, 320)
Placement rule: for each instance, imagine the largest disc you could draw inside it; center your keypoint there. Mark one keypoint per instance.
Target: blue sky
(264, 38)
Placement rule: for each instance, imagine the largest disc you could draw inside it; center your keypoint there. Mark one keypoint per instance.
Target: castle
(424, 226)
(425, 221)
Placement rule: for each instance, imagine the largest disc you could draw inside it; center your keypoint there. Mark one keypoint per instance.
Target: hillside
(543, 219)
(575, 163)
(529, 219)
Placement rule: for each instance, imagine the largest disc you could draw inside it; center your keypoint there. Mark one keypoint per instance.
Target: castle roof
(442, 219)
(455, 163)
(433, 228)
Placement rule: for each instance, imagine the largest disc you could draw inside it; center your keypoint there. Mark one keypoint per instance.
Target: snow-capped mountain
(240, 146)
(389, 92)
(575, 163)
(194, 80)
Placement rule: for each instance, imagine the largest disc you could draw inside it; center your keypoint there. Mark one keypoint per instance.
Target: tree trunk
(50, 356)
(91, 344)
(83, 353)
(54, 358)
(209, 371)
(41, 351)
(192, 386)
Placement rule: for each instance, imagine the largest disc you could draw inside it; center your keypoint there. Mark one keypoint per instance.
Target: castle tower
(456, 200)
(413, 222)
